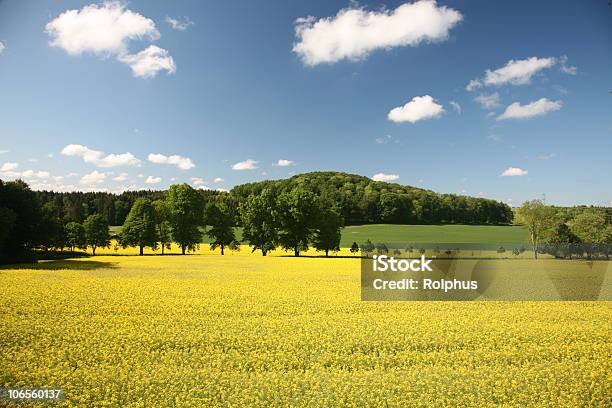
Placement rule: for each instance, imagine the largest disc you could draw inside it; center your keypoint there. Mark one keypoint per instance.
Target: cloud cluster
(97, 158)
(153, 180)
(385, 177)
(353, 32)
(285, 163)
(183, 163)
(9, 166)
(489, 102)
(106, 30)
(180, 24)
(93, 178)
(514, 172)
(515, 72)
(537, 108)
(419, 108)
(248, 164)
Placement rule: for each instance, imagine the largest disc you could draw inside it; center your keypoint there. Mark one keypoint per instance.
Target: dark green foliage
(258, 217)
(75, 236)
(139, 228)
(221, 221)
(327, 230)
(162, 224)
(297, 212)
(96, 232)
(185, 206)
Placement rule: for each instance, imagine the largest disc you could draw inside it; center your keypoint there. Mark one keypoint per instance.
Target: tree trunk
(296, 251)
(326, 252)
(222, 250)
(163, 246)
(141, 250)
(183, 249)
(93, 250)
(263, 252)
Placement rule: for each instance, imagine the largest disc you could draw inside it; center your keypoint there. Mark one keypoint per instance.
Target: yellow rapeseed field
(245, 330)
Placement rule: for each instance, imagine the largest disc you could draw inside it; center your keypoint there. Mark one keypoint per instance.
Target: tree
(328, 225)
(590, 227)
(538, 218)
(75, 236)
(219, 217)
(96, 232)
(562, 240)
(297, 214)
(258, 216)
(162, 224)
(139, 227)
(185, 208)
(354, 248)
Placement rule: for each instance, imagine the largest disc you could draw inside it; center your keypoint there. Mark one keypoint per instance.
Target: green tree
(538, 218)
(297, 213)
(139, 227)
(75, 236)
(590, 227)
(96, 232)
(354, 248)
(258, 216)
(162, 224)
(185, 208)
(327, 230)
(219, 217)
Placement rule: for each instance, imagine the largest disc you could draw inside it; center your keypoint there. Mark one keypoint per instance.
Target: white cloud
(488, 101)
(218, 180)
(567, 68)
(97, 158)
(248, 164)
(515, 72)
(102, 29)
(514, 172)
(383, 140)
(9, 166)
(419, 108)
(385, 177)
(93, 178)
(183, 163)
(285, 163)
(456, 106)
(180, 24)
(31, 174)
(353, 32)
(121, 177)
(537, 108)
(2, 47)
(148, 62)
(197, 181)
(153, 180)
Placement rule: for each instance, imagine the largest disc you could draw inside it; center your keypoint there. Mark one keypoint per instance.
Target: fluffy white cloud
(514, 172)
(183, 163)
(8, 166)
(285, 163)
(385, 177)
(148, 62)
(537, 108)
(218, 180)
(97, 158)
(248, 164)
(353, 32)
(515, 72)
(180, 24)
(2, 47)
(121, 177)
(488, 101)
(101, 29)
(456, 106)
(197, 181)
(419, 108)
(153, 180)
(35, 174)
(93, 178)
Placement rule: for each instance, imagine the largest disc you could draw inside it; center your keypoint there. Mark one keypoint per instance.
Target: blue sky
(363, 87)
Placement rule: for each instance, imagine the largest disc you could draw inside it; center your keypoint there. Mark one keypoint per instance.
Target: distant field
(390, 233)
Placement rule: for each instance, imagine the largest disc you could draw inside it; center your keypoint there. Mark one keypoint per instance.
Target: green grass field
(390, 233)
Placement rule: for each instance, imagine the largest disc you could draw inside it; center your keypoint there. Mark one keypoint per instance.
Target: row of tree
(554, 232)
